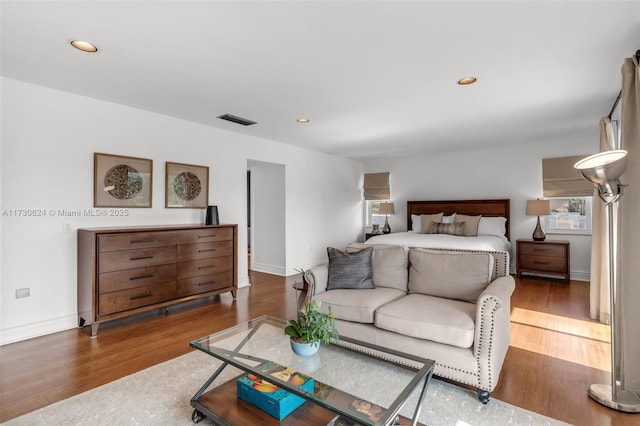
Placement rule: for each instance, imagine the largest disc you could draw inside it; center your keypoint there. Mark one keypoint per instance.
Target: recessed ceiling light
(84, 46)
(302, 120)
(467, 80)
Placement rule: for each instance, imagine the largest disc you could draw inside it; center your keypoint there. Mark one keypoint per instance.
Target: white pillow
(492, 226)
(449, 219)
(416, 223)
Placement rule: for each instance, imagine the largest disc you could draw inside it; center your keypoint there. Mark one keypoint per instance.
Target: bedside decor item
(186, 186)
(310, 329)
(538, 208)
(604, 170)
(120, 181)
(386, 209)
(211, 217)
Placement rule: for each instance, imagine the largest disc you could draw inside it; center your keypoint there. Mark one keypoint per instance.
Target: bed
(493, 227)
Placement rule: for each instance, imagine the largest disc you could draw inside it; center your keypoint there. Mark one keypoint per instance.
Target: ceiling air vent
(236, 119)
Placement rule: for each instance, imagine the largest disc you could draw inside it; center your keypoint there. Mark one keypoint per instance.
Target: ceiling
(376, 78)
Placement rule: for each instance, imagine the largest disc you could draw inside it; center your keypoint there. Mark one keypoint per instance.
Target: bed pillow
(449, 219)
(456, 228)
(460, 276)
(470, 224)
(426, 222)
(352, 271)
(492, 226)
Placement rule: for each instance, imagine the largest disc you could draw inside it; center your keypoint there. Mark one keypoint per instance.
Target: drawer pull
(205, 251)
(538, 262)
(540, 249)
(140, 241)
(142, 296)
(207, 267)
(141, 277)
(207, 236)
(207, 283)
(141, 258)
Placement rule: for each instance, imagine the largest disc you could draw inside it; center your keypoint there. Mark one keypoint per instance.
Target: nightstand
(368, 235)
(549, 257)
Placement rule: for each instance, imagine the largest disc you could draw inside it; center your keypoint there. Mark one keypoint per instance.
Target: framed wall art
(187, 186)
(120, 181)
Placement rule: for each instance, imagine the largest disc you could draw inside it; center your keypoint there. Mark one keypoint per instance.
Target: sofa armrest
(321, 277)
(493, 330)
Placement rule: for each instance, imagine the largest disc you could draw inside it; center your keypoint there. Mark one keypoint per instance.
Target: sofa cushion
(431, 318)
(357, 306)
(461, 276)
(353, 271)
(390, 264)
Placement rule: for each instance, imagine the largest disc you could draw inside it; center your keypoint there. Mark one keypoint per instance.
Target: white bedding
(413, 239)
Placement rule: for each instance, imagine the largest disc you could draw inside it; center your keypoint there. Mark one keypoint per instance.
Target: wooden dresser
(549, 257)
(125, 271)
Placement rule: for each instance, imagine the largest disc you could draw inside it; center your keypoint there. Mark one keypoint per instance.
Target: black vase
(212, 216)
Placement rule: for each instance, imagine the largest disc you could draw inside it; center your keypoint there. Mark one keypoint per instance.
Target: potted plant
(310, 329)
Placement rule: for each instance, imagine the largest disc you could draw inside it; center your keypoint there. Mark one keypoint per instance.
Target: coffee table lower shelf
(224, 408)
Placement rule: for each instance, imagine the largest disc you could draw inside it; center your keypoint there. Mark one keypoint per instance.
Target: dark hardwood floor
(556, 351)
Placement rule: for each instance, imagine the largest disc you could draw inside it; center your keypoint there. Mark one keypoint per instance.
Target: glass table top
(352, 378)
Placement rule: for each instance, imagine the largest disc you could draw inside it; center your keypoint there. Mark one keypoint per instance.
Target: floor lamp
(604, 170)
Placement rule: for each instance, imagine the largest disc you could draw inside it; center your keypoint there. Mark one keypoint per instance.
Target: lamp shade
(538, 207)
(386, 208)
(604, 170)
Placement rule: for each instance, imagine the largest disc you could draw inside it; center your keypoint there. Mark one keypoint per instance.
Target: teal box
(272, 399)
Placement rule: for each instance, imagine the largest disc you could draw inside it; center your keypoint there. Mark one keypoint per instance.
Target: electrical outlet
(23, 292)
(66, 227)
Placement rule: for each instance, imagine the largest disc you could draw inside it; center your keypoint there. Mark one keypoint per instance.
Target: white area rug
(160, 395)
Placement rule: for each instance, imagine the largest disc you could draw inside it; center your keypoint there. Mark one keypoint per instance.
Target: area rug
(160, 395)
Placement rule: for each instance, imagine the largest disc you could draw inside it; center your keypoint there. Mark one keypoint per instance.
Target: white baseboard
(29, 331)
(268, 269)
(580, 276)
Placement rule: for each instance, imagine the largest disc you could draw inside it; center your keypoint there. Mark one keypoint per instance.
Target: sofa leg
(483, 395)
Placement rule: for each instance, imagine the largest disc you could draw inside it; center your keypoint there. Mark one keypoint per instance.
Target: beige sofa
(452, 306)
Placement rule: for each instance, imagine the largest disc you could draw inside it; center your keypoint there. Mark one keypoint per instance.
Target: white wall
(513, 172)
(47, 146)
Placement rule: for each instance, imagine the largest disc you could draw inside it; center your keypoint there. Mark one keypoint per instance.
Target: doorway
(266, 230)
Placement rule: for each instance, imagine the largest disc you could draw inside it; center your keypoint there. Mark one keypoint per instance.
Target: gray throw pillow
(353, 271)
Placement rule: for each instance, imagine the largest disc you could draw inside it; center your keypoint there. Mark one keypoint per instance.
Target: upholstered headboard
(486, 208)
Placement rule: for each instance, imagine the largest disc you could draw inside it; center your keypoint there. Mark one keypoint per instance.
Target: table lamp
(386, 209)
(538, 208)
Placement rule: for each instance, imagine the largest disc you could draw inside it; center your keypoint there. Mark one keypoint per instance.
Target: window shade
(376, 186)
(560, 179)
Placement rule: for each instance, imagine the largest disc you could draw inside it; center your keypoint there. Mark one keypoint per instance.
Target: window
(373, 218)
(570, 215)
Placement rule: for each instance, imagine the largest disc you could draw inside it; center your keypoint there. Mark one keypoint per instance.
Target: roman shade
(560, 179)
(376, 186)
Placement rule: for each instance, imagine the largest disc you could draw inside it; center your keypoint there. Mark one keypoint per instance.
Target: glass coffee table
(355, 383)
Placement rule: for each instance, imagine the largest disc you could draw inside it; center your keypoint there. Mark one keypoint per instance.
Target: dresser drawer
(543, 264)
(197, 285)
(135, 240)
(198, 268)
(534, 249)
(118, 301)
(205, 235)
(140, 258)
(204, 250)
(134, 278)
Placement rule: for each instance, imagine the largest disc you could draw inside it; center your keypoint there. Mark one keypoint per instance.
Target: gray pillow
(352, 271)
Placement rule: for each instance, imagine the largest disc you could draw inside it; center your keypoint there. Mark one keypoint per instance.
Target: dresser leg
(233, 293)
(94, 329)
